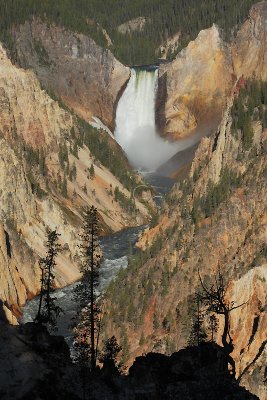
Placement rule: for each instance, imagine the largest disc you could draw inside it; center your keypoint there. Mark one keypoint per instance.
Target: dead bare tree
(214, 298)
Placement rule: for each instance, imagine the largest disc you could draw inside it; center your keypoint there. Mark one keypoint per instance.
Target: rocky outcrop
(34, 364)
(18, 208)
(134, 25)
(86, 77)
(194, 87)
(169, 47)
(27, 112)
(250, 342)
(250, 46)
(192, 373)
(197, 84)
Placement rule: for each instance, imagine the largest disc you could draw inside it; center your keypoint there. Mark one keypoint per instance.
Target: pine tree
(42, 165)
(73, 172)
(213, 325)
(86, 291)
(63, 155)
(92, 171)
(197, 334)
(142, 339)
(64, 187)
(48, 311)
(111, 350)
(84, 188)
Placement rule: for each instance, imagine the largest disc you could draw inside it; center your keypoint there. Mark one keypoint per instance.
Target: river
(115, 249)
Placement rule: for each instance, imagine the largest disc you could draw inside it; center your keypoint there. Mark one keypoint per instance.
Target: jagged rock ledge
(39, 366)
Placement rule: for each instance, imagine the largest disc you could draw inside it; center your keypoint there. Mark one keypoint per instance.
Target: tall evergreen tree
(110, 351)
(86, 291)
(92, 171)
(213, 326)
(48, 311)
(197, 334)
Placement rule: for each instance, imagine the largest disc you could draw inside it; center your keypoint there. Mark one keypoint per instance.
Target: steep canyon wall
(193, 88)
(45, 182)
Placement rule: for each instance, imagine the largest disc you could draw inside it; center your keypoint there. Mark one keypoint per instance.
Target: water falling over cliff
(135, 123)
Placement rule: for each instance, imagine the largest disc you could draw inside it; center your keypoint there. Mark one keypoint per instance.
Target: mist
(135, 124)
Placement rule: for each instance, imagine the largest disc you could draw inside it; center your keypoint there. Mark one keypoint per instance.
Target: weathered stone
(85, 76)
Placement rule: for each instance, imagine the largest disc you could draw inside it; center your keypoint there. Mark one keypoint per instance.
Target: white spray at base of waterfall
(135, 123)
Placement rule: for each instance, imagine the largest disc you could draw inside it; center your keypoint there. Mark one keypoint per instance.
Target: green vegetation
(163, 20)
(108, 153)
(87, 323)
(41, 52)
(126, 203)
(35, 157)
(63, 155)
(64, 187)
(35, 160)
(73, 172)
(248, 106)
(92, 171)
(48, 310)
(35, 186)
(216, 193)
(123, 309)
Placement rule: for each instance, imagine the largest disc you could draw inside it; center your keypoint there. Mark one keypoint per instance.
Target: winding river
(115, 249)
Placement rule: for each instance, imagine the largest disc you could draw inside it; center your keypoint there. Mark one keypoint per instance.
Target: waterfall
(135, 123)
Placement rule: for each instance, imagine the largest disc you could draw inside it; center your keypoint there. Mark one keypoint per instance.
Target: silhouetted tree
(111, 350)
(48, 311)
(214, 297)
(85, 292)
(212, 325)
(197, 334)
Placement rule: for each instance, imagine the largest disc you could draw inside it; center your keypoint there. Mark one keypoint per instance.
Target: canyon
(53, 162)
(34, 130)
(87, 78)
(164, 279)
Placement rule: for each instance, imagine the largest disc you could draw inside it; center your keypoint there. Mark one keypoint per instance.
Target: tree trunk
(92, 311)
(38, 317)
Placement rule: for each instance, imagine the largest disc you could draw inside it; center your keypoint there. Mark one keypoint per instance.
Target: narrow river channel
(115, 249)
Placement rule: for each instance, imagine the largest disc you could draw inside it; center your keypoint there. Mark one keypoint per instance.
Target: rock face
(192, 373)
(24, 220)
(197, 83)
(33, 364)
(28, 117)
(18, 208)
(136, 24)
(34, 130)
(85, 76)
(194, 87)
(27, 112)
(169, 47)
(250, 46)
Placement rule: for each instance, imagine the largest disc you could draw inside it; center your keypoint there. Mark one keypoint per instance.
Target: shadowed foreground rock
(35, 365)
(192, 373)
